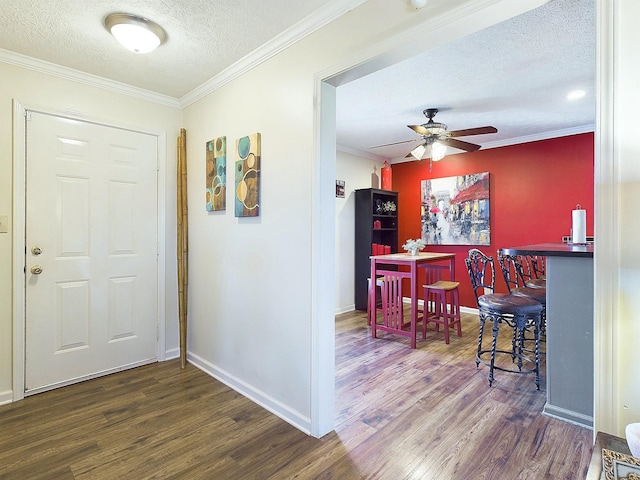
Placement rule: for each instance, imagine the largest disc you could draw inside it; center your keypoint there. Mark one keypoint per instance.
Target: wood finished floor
(401, 414)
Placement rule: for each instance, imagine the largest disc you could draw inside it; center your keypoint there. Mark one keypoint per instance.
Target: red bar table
(413, 262)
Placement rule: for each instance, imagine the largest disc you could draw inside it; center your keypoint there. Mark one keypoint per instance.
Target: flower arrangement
(389, 207)
(414, 245)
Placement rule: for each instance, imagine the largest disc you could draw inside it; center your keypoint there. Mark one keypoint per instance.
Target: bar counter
(553, 250)
(569, 343)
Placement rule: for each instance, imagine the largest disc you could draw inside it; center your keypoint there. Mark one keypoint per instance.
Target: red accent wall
(533, 188)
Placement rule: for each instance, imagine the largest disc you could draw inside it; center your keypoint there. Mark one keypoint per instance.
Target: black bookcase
(374, 224)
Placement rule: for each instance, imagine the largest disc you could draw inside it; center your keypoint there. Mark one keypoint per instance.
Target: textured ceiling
(514, 75)
(204, 36)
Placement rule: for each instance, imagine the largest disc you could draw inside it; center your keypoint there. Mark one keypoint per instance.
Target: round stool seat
(510, 304)
(443, 285)
(536, 283)
(538, 294)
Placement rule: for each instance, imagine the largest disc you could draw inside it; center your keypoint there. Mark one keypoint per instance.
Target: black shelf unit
(367, 213)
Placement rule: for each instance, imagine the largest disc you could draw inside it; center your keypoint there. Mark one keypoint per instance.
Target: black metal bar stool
(533, 271)
(521, 314)
(538, 266)
(513, 272)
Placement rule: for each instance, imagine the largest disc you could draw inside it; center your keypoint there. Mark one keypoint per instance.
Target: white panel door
(91, 228)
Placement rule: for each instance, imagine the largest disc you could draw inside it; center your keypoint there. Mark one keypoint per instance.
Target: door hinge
(27, 115)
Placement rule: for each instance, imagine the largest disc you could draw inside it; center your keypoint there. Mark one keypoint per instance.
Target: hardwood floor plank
(405, 414)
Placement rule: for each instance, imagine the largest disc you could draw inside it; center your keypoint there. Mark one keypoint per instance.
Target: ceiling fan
(436, 136)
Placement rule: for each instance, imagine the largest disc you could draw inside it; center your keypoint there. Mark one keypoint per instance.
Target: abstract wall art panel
(455, 210)
(216, 192)
(247, 203)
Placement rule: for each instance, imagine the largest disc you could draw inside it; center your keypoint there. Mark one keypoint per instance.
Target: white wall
(251, 279)
(257, 304)
(32, 88)
(356, 172)
(617, 259)
(628, 150)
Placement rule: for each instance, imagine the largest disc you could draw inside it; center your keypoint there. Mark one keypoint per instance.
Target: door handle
(36, 250)
(36, 269)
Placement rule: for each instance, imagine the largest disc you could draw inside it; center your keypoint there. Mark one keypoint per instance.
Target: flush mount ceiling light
(418, 3)
(137, 34)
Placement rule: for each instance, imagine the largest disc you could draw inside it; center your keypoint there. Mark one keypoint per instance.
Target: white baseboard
(6, 397)
(279, 409)
(348, 308)
(172, 353)
(568, 416)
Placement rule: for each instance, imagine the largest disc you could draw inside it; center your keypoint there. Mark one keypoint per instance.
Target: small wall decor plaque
(340, 188)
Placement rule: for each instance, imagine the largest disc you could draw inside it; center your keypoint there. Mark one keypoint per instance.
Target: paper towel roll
(579, 226)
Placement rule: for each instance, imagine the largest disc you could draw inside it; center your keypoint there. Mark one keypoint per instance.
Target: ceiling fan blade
(419, 129)
(395, 143)
(472, 131)
(462, 145)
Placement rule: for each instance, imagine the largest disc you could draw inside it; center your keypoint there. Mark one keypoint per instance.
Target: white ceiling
(204, 36)
(514, 76)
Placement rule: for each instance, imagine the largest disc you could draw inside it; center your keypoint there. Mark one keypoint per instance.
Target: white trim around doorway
(19, 224)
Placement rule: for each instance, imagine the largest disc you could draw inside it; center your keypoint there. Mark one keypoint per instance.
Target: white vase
(632, 432)
(414, 252)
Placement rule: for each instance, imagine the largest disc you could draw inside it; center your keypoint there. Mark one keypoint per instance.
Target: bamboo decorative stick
(182, 244)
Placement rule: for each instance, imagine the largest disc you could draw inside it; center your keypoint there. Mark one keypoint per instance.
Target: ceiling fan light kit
(417, 4)
(418, 152)
(436, 136)
(438, 151)
(138, 34)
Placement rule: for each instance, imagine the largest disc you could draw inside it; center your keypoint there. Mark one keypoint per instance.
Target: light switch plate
(4, 223)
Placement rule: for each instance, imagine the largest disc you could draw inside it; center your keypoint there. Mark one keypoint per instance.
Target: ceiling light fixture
(438, 151)
(576, 94)
(418, 3)
(418, 152)
(138, 34)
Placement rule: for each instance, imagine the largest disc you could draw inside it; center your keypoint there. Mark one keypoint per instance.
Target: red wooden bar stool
(441, 302)
(392, 308)
(372, 312)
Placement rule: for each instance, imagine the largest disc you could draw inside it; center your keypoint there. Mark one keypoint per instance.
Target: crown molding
(330, 12)
(565, 132)
(67, 73)
(360, 153)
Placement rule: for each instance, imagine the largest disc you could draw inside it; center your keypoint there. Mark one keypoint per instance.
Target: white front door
(91, 256)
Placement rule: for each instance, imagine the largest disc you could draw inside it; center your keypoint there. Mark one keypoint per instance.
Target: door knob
(36, 269)
(36, 250)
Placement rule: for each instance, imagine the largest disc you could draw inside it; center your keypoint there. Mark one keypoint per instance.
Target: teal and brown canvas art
(216, 185)
(247, 198)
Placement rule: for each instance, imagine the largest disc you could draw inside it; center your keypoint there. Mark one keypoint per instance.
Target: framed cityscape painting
(247, 198)
(455, 210)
